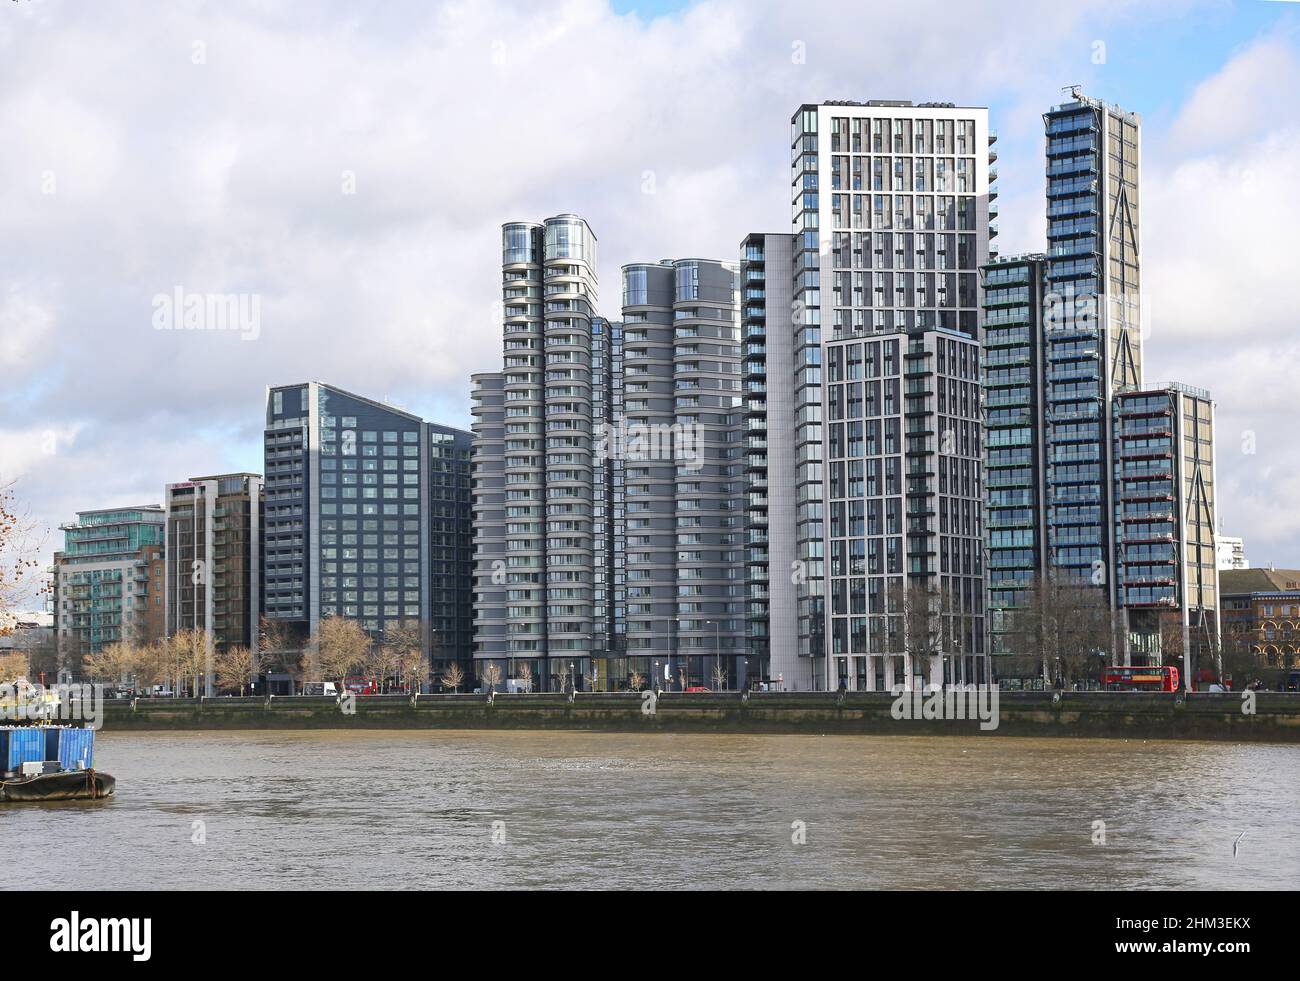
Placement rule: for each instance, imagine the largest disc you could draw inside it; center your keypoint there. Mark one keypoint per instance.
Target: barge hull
(68, 785)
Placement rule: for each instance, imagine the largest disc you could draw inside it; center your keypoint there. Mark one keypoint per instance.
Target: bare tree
(154, 665)
(234, 667)
(401, 640)
(1240, 661)
(1068, 623)
(382, 662)
(414, 668)
(278, 651)
(19, 562)
(526, 675)
(192, 654)
(635, 679)
(114, 662)
(916, 608)
(719, 677)
(491, 676)
(454, 677)
(340, 646)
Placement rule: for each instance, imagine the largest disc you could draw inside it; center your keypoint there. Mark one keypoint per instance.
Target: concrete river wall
(1273, 716)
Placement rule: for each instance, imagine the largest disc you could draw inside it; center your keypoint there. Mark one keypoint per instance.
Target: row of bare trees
(181, 661)
(341, 648)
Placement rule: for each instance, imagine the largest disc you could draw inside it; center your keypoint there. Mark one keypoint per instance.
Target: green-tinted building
(108, 581)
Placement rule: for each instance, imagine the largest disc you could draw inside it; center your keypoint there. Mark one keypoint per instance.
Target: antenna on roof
(1075, 91)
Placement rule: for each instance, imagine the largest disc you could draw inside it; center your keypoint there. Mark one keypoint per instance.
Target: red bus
(362, 686)
(1139, 679)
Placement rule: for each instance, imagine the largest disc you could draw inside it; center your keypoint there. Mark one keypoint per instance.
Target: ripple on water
(390, 810)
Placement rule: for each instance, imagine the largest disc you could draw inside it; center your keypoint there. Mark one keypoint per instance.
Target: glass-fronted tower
(1092, 317)
(366, 517)
(1167, 578)
(1014, 460)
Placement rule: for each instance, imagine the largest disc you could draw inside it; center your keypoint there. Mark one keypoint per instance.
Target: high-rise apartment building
(1015, 460)
(769, 328)
(535, 548)
(108, 581)
(607, 471)
(366, 516)
(1093, 479)
(1093, 340)
(683, 470)
(892, 208)
(1167, 578)
(213, 558)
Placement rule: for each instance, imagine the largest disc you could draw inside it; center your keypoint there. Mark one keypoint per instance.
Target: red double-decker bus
(1139, 679)
(362, 686)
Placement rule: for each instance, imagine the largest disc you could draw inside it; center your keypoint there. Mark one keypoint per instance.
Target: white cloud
(1220, 269)
(229, 176)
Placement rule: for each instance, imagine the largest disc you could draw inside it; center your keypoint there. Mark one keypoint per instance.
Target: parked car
(696, 688)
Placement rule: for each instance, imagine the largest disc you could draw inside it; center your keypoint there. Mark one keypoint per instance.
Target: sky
(349, 165)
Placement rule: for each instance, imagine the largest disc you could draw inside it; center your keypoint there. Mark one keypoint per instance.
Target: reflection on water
(590, 810)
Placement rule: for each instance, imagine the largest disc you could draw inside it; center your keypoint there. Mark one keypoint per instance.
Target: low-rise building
(1261, 616)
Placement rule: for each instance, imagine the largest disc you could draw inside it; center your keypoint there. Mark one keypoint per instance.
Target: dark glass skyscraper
(366, 517)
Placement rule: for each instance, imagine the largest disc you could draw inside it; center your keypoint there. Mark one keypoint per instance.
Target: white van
(320, 688)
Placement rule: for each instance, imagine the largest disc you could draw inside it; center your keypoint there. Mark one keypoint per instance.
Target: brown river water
(437, 809)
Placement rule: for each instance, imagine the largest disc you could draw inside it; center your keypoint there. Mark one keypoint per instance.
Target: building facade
(534, 471)
(891, 212)
(108, 581)
(1167, 580)
(1093, 338)
(366, 516)
(684, 475)
(1093, 478)
(212, 566)
(1015, 459)
(1261, 617)
(607, 472)
(771, 564)
(1230, 552)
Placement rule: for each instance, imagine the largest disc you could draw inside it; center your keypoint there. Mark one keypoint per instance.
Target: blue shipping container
(26, 746)
(76, 748)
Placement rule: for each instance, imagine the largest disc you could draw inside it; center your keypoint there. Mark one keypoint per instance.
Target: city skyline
(65, 424)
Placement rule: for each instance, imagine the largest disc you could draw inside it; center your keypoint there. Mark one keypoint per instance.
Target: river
(439, 809)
